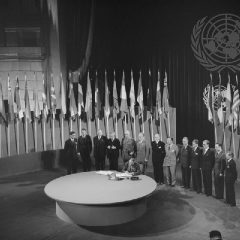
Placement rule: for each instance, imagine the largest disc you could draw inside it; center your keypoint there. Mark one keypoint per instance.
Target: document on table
(124, 175)
(105, 172)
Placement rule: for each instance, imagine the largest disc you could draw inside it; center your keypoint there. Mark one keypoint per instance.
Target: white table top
(92, 188)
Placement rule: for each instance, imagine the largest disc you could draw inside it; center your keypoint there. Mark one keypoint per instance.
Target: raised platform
(92, 199)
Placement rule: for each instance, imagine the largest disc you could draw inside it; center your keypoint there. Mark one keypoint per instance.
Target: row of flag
(224, 106)
(76, 108)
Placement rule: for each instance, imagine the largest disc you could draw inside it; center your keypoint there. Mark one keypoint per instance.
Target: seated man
(132, 166)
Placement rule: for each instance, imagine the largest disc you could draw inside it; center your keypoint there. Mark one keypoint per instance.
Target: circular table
(92, 199)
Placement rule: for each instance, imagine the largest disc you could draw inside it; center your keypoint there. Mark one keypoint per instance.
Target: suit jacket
(185, 156)
(100, 147)
(171, 155)
(158, 151)
(70, 149)
(142, 151)
(208, 160)
(128, 145)
(85, 144)
(230, 172)
(220, 163)
(113, 153)
(196, 157)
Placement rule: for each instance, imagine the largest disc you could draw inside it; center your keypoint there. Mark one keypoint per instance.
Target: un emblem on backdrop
(216, 42)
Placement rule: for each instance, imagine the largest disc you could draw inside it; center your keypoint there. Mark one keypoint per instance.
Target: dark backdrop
(147, 34)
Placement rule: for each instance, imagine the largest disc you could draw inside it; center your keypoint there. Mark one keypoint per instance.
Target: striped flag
(158, 98)
(10, 102)
(18, 108)
(88, 103)
(165, 99)
(210, 101)
(123, 95)
(98, 103)
(37, 111)
(72, 102)
(2, 106)
(115, 98)
(219, 102)
(27, 102)
(106, 107)
(80, 99)
(140, 93)
(228, 97)
(63, 96)
(44, 99)
(235, 105)
(53, 97)
(132, 97)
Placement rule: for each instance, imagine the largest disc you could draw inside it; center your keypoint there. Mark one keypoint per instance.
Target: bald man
(100, 147)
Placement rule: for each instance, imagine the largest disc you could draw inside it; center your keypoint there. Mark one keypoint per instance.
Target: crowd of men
(199, 165)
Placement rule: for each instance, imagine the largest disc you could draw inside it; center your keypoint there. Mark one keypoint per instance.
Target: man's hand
(113, 147)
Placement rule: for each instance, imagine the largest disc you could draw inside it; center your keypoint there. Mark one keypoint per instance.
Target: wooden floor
(173, 213)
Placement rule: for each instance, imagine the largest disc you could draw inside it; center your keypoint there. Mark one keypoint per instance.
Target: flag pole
(125, 123)
(62, 131)
(169, 127)
(116, 126)
(142, 122)
(44, 134)
(80, 126)
(233, 139)
(97, 123)
(107, 127)
(160, 121)
(53, 130)
(9, 142)
(35, 135)
(70, 123)
(26, 133)
(152, 127)
(224, 134)
(134, 127)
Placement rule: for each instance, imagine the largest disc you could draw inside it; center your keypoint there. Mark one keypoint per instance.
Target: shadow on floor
(167, 209)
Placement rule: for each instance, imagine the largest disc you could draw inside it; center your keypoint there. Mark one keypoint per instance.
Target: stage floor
(172, 213)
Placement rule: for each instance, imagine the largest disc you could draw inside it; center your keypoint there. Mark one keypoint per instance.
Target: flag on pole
(80, 99)
(18, 109)
(88, 102)
(37, 111)
(27, 102)
(219, 102)
(210, 100)
(165, 99)
(10, 102)
(44, 99)
(228, 97)
(158, 98)
(2, 106)
(98, 103)
(140, 93)
(149, 96)
(72, 102)
(53, 97)
(132, 97)
(106, 107)
(63, 96)
(115, 98)
(235, 105)
(123, 95)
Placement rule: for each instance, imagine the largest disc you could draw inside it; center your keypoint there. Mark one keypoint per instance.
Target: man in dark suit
(113, 147)
(218, 171)
(158, 155)
(70, 151)
(195, 166)
(100, 147)
(85, 149)
(207, 167)
(185, 160)
(230, 178)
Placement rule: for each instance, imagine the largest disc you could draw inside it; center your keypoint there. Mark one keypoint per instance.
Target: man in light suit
(100, 147)
(170, 161)
(142, 152)
(218, 171)
(207, 162)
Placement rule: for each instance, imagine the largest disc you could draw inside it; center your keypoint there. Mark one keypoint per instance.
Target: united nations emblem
(216, 42)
